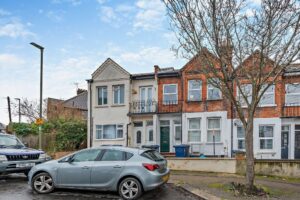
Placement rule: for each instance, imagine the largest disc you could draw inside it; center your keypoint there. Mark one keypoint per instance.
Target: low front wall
(289, 168)
(224, 165)
(285, 168)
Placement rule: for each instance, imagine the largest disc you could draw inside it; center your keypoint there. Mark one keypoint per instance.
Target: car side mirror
(25, 144)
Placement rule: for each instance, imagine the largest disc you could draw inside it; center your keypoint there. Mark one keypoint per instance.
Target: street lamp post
(41, 91)
(19, 100)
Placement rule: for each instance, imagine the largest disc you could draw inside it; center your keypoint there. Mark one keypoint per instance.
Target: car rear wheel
(130, 189)
(42, 183)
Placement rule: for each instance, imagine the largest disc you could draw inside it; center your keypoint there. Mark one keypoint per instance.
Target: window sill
(267, 105)
(117, 105)
(118, 139)
(211, 143)
(214, 99)
(191, 101)
(291, 105)
(104, 106)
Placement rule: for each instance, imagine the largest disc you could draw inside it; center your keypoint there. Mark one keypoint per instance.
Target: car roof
(121, 148)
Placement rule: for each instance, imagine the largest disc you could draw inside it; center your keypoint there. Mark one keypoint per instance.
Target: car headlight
(3, 158)
(44, 156)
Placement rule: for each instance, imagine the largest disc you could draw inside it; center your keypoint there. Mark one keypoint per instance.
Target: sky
(78, 35)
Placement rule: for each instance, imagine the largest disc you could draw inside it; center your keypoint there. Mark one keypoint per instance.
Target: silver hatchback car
(129, 171)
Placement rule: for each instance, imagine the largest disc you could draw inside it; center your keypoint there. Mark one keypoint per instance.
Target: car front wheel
(130, 189)
(42, 183)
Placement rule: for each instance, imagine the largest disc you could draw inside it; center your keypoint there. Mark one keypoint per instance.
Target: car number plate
(165, 178)
(21, 165)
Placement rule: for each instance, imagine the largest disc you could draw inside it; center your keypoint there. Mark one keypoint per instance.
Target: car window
(152, 155)
(128, 155)
(8, 141)
(86, 155)
(113, 155)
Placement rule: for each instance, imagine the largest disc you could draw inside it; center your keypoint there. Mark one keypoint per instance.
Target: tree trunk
(249, 155)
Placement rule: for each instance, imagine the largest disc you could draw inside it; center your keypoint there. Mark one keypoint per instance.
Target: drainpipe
(90, 81)
(127, 133)
(231, 135)
(182, 100)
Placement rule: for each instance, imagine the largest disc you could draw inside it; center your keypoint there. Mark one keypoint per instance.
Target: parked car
(129, 171)
(16, 157)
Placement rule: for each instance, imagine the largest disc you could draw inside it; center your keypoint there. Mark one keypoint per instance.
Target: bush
(71, 135)
(23, 129)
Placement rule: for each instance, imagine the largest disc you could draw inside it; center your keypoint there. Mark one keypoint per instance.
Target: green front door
(165, 139)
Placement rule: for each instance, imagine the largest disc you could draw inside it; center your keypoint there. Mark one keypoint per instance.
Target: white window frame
(291, 94)
(266, 138)
(211, 87)
(98, 88)
(240, 138)
(188, 127)
(220, 129)
(197, 89)
(165, 102)
(268, 93)
(118, 127)
(241, 98)
(119, 94)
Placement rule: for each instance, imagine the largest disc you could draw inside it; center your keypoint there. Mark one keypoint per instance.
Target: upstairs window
(268, 97)
(195, 90)
(102, 95)
(170, 94)
(118, 92)
(292, 94)
(246, 89)
(213, 93)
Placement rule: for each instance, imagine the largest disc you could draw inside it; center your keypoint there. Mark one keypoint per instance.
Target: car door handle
(117, 166)
(85, 167)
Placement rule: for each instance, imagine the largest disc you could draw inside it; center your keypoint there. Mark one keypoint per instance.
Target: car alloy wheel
(43, 183)
(130, 189)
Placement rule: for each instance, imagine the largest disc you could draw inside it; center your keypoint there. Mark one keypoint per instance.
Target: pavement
(214, 186)
(14, 186)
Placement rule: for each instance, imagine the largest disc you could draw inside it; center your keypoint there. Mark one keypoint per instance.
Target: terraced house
(180, 106)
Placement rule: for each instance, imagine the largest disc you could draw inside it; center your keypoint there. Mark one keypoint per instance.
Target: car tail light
(151, 167)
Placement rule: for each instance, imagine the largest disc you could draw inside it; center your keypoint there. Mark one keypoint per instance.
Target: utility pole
(19, 100)
(41, 92)
(9, 110)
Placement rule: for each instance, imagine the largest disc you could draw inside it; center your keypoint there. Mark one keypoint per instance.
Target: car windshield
(9, 141)
(153, 155)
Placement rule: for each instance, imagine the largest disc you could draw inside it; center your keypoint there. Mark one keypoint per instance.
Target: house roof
(292, 70)
(142, 76)
(106, 63)
(79, 101)
(168, 72)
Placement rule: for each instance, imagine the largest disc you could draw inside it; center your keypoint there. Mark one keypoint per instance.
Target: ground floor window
(266, 133)
(138, 137)
(150, 135)
(240, 137)
(113, 131)
(177, 129)
(194, 130)
(213, 129)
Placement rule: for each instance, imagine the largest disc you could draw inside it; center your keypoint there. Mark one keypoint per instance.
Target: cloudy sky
(78, 35)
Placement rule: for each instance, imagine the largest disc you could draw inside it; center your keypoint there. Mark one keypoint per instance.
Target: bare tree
(29, 109)
(242, 45)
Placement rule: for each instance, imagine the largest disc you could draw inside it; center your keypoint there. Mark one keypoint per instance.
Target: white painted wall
(110, 74)
(204, 146)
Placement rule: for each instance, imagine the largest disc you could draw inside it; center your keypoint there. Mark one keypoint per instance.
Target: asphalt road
(15, 187)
